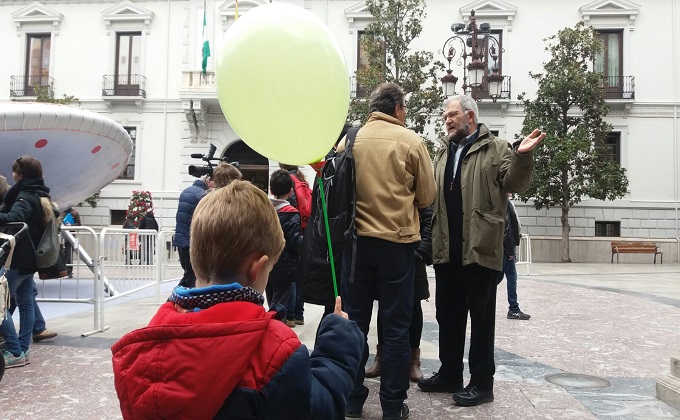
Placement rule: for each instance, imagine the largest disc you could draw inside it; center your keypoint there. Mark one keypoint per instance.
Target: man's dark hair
(385, 97)
(28, 167)
(280, 183)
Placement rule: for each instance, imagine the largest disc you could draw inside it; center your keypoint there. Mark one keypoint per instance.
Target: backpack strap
(349, 143)
(349, 138)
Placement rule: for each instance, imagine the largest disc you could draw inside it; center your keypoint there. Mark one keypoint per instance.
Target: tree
(386, 40)
(46, 94)
(572, 162)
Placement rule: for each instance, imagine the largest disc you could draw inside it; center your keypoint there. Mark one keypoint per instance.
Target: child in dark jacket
(285, 271)
(214, 350)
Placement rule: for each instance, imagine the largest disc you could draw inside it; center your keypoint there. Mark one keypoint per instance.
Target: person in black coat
(421, 290)
(285, 270)
(148, 241)
(510, 242)
(22, 204)
(188, 200)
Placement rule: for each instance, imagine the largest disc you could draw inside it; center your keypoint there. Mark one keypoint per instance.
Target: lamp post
(476, 44)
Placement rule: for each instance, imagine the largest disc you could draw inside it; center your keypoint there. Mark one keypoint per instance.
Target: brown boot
(374, 371)
(414, 372)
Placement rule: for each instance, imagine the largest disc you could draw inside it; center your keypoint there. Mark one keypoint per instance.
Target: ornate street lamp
(472, 43)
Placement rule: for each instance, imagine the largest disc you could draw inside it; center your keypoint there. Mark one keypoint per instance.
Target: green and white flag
(206, 44)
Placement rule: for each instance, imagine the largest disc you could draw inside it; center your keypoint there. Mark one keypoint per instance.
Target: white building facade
(139, 63)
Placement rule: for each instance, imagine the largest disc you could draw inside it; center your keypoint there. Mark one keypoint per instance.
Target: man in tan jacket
(394, 178)
(475, 171)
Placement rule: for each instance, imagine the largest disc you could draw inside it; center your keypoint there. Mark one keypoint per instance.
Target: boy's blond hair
(224, 174)
(228, 226)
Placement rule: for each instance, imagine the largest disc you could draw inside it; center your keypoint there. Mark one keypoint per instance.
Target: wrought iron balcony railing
(479, 93)
(23, 85)
(482, 92)
(124, 85)
(619, 87)
(356, 90)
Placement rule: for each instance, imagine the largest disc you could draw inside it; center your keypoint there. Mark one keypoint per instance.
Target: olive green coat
(490, 170)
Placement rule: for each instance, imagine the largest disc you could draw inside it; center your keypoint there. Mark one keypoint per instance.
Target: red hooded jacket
(233, 360)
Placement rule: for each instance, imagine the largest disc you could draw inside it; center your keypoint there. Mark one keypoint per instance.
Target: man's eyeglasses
(454, 114)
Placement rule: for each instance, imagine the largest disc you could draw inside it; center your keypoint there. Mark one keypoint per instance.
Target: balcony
(199, 87)
(124, 85)
(482, 92)
(24, 86)
(619, 87)
(356, 90)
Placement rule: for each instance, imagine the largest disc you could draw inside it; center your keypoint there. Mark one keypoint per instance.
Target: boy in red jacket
(213, 352)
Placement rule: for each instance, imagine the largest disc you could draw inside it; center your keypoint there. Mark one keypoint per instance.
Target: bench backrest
(637, 245)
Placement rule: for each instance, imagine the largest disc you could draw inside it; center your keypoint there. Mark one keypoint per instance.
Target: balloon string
(328, 234)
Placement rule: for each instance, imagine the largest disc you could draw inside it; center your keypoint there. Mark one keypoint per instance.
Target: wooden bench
(619, 247)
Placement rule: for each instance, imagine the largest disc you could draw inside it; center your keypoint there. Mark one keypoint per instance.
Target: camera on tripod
(200, 170)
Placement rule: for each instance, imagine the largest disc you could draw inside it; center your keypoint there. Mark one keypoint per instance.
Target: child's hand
(338, 308)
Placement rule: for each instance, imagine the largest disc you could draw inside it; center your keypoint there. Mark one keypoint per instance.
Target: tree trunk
(565, 234)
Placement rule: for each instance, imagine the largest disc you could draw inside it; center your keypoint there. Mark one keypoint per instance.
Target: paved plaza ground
(619, 322)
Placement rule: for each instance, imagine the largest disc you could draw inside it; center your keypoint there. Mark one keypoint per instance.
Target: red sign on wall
(134, 244)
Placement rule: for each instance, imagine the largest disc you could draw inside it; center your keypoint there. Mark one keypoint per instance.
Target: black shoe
(438, 383)
(402, 415)
(353, 413)
(472, 395)
(518, 315)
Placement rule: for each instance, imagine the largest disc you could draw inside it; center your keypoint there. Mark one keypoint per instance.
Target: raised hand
(531, 141)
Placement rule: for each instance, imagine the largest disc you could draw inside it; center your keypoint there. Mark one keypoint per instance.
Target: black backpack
(339, 184)
(315, 280)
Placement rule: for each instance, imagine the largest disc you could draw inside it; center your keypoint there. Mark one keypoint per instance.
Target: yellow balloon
(283, 84)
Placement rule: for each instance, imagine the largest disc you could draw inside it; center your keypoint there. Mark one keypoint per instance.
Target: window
(118, 217)
(362, 63)
(37, 62)
(128, 63)
(612, 229)
(129, 172)
(609, 62)
(613, 146)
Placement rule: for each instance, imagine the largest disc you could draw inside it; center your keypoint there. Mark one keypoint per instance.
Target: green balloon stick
(328, 233)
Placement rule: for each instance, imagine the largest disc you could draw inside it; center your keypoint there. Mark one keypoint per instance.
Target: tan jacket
(394, 178)
(491, 169)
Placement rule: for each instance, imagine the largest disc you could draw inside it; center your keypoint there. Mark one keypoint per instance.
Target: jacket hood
(279, 204)
(186, 364)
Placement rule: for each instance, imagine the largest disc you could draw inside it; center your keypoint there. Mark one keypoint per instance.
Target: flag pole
(205, 53)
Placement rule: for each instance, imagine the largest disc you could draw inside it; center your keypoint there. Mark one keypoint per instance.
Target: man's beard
(462, 131)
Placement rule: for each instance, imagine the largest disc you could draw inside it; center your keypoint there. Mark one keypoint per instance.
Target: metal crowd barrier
(114, 263)
(79, 289)
(524, 255)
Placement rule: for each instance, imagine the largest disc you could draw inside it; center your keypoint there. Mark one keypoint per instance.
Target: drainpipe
(675, 135)
(325, 18)
(165, 103)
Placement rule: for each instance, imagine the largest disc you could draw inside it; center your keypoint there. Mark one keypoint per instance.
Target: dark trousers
(277, 298)
(510, 271)
(463, 289)
(415, 332)
(388, 268)
(189, 278)
(68, 257)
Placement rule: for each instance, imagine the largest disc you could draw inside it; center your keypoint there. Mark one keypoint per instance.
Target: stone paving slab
(577, 326)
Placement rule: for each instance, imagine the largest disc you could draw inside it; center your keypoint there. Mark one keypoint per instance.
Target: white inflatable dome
(80, 151)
